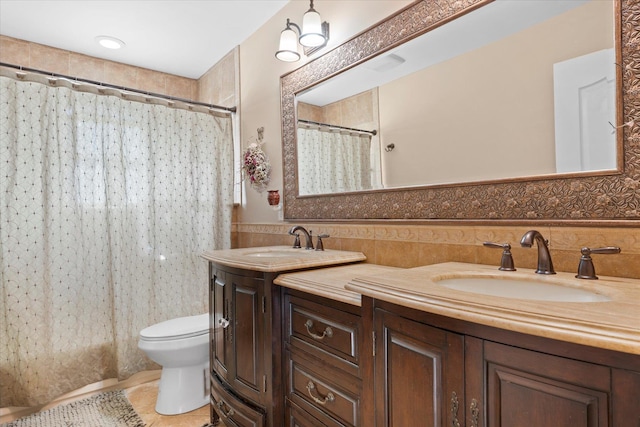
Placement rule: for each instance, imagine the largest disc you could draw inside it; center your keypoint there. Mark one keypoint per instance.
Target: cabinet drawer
(298, 417)
(233, 411)
(321, 391)
(323, 329)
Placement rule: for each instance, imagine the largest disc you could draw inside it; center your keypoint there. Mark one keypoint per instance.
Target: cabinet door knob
(225, 413)
(320, 401)
(223, 322)
(328, 332)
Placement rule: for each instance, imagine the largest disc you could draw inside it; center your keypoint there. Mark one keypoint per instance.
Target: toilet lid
(181, 327)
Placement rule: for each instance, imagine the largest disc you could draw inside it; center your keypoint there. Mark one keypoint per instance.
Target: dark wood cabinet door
(219, 307)
(527, 388)
(419, 373)
(247, 327)
(237, 345)
(626, 398)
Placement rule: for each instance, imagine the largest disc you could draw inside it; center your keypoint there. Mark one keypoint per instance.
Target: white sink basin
(279, 253)
(521, 289)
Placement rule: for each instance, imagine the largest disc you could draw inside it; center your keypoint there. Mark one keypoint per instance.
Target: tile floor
(142, 391)
(143, 400)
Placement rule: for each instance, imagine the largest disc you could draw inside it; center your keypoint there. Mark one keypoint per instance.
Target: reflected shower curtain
(106, 207)
(331, 160)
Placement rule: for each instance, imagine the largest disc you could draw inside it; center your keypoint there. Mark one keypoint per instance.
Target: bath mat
(109, 409)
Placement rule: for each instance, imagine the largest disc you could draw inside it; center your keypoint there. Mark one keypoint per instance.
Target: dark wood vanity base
(293, 353)
(453, 372)
(245, 355)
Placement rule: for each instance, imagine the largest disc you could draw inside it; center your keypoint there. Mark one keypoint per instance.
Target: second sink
(521, 289)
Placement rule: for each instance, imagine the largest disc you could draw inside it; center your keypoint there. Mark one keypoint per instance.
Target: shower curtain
(107, 204)
(333, 160)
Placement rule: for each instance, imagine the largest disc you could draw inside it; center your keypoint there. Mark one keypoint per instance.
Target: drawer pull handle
(328, 332)
(329, 398)
(228, 413)
(223, 323)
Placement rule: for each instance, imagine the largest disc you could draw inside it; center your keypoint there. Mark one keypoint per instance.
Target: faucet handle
(296, 242)
(586, 270)
(319, 245)
(506, 263)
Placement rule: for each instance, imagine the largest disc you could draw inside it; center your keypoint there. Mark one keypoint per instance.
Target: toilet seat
(178, 328)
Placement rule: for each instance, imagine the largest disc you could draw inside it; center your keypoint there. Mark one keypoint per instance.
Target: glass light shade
(288, 49)
(312, 29)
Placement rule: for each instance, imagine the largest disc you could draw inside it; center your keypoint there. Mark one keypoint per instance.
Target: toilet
(181, 347)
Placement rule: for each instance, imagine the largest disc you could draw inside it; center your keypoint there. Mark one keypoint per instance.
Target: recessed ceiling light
(110, 42)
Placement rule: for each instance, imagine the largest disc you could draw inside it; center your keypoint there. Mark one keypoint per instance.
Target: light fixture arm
(293, 24)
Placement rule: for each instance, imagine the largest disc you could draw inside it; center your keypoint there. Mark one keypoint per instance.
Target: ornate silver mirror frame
(569, 198)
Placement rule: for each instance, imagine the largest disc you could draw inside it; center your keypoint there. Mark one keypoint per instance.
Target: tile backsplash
(410, 245)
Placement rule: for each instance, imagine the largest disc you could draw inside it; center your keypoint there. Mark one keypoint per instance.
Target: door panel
(536, 389)
(220, 324)
(246, 303)
(412, 362)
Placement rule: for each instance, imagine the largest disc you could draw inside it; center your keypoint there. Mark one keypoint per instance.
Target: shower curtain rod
(122, 88)
(309, 122)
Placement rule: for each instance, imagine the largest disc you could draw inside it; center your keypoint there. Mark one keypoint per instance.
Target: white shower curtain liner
(107, 204)
(333, 160)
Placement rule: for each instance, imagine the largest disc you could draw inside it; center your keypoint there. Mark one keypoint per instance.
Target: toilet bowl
(181, 347)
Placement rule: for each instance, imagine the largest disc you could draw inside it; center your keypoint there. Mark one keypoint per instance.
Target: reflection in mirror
(336, 159)
(512, 89)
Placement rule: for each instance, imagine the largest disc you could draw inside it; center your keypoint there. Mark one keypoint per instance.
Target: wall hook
(630, 124)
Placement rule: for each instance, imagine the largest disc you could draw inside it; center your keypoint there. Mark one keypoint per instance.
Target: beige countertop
(280, 258)
(613, 324)
(330, 282)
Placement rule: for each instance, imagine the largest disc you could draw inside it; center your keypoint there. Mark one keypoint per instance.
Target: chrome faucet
(545, 266)
(307, 235)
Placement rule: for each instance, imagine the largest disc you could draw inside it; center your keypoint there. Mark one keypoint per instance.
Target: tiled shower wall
(412, 245)
(46, 58)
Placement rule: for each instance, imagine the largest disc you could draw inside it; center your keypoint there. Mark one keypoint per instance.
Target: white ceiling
(181, 37)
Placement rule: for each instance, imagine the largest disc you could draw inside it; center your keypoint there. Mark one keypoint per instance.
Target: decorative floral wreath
(255, 164)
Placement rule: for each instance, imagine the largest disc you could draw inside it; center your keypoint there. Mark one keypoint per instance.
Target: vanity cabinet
(244, 363)
(323, 378)
(445, 372)
(246, 334)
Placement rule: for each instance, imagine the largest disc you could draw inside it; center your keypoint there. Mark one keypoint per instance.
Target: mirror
(543, 95)
(604, 192)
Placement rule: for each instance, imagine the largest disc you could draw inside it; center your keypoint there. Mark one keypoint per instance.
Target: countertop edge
(234, 258)
(528, 322)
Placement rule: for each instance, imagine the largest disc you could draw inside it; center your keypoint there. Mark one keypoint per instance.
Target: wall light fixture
(313, 36)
